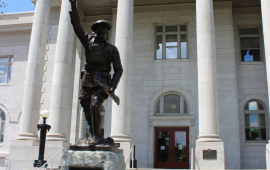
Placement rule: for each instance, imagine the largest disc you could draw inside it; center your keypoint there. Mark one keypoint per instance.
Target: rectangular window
(5, 69)
(250, 44)
(171, 42)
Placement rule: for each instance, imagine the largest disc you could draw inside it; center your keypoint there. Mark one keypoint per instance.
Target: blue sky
(17, 6)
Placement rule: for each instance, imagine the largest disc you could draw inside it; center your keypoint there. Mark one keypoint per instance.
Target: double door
(172, 148)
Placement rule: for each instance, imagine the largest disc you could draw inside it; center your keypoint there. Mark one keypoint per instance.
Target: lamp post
(43, 130)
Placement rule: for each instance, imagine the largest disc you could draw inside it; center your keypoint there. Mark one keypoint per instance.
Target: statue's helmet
(100, 22)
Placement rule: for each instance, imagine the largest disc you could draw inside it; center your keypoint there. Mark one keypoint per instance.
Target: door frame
(174, 128)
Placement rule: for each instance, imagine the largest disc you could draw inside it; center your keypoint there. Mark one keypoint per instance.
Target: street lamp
(43, 130)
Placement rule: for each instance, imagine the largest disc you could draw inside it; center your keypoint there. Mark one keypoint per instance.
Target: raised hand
(73, 4)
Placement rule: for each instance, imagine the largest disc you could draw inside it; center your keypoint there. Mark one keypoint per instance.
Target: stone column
(34, 72)
(120, 130)
(265, 5)
(207, 88)
(62, 74)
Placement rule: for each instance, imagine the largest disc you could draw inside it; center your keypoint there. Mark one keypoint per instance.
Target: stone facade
(237, 82)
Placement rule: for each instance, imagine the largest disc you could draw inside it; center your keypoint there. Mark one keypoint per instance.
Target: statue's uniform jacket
(98, 58)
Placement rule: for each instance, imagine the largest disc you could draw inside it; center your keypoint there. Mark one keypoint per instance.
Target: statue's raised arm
(75, 21)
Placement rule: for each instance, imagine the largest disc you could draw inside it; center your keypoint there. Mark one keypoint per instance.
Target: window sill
(256, 144)
(171, 60)
(4, 84)
(251, 62)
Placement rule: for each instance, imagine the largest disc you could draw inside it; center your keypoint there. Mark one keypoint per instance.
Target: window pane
(158, 107)
(171, 53)
(3, 117)
(171, 103)
(183, 28)
(171, 40)
(180, 146)
(255, 120)
(254, 106)
(183, 46)
(163, 146)
(255, 134)
(185, 107)
(11, 59)
(4, 60)
(250, 42)
(251, 120)
(249, 31)
(2, 132)
(159, 47)
(2, 78)
(9, 74)
(261, 120)
(3, 69)
(171, 28)
(159, 28)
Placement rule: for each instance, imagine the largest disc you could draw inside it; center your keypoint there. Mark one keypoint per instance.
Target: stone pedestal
(204, 161)
(93, 159)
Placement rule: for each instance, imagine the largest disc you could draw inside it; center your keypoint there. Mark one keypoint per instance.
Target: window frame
(164, 33)
(2, 122)
(251, 36)
(161, 99)
(247, 112)
(7, 69)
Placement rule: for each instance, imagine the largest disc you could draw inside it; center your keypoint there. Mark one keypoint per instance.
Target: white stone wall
(251, 84)
(150, 75)
(14, 42)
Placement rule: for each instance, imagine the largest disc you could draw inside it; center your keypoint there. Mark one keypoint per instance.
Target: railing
(51, 159)
(267, 159)
(191, 159)
(132, 162)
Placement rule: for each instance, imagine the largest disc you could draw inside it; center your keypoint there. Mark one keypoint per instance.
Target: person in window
(99, 56)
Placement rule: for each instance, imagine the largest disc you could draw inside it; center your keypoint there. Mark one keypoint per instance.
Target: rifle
(106, 88)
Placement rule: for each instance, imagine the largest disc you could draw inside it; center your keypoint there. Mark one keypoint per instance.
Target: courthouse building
(195, 79)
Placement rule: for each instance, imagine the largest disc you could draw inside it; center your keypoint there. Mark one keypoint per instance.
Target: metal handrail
(128, 154)
(267, 159)
(43, 166)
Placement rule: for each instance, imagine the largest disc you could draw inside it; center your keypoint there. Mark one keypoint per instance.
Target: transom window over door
(255, 121)
(171, 42)
(171, 104)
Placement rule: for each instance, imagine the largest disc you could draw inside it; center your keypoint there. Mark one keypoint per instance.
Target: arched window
(255, 121)
(2, 124)
(171, 104)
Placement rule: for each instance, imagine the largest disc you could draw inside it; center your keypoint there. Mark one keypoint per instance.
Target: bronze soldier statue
(99, 56)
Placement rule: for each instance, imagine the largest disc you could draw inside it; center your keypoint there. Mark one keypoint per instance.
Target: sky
(17, 6)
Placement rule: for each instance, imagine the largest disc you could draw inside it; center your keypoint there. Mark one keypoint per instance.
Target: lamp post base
(39, 163)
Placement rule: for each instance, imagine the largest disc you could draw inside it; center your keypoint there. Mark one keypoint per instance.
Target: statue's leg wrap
(86, 104)
(96, 103)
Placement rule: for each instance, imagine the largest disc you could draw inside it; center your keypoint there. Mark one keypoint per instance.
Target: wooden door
(172, 148)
